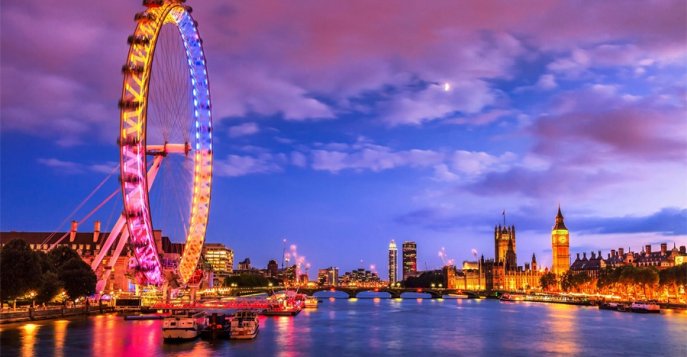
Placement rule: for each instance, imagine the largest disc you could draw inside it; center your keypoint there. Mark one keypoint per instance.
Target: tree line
(628, 280)
(41, 277)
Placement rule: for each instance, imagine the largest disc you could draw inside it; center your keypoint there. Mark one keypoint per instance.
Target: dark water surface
(379, 327)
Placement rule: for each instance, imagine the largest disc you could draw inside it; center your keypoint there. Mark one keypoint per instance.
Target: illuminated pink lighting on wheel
(132, 139)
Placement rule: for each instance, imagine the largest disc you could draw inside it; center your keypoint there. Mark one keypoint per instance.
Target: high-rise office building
(409, 259)
(221, 259)
(393, 263)
(328, 276)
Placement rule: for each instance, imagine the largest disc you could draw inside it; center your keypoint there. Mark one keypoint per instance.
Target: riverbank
(581, 301)
(35, 314)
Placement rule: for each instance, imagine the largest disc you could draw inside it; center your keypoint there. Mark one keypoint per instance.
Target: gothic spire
(559, 220)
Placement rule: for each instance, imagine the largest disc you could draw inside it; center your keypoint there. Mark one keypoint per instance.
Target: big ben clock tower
(560, 245)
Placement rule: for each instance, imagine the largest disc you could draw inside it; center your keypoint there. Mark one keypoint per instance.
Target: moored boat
(510, 297)
(244, 325)
(281, 304)
(610, 306)
(218, 326)
(311, 302)
(645, 307)
(183, 326)
(457, 296)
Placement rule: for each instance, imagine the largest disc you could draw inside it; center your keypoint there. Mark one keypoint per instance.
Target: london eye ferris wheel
(165, 116)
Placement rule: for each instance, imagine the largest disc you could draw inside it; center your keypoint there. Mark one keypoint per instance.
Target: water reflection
(60, 327)
(378, 327)
(28, 341)
(562, 321)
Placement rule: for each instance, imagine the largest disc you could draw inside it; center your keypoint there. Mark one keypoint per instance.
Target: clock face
(561, 239)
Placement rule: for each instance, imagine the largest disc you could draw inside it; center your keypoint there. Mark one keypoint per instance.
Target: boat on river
(614, 306)
(183, 326)
(645, 307)
(511, 297)
(283, 304)
(218, 326)
(311, 302)
(244, 325)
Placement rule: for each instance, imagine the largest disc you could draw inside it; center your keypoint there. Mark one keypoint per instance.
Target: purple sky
(343, 124)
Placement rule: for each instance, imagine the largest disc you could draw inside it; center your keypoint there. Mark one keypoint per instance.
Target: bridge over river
(353, 292)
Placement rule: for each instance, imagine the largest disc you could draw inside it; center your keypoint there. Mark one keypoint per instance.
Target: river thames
(379, 327)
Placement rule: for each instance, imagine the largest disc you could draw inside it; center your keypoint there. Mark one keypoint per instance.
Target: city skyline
(423, 127)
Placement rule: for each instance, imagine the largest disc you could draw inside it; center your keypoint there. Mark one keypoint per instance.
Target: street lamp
(440, 286)
(433, 285)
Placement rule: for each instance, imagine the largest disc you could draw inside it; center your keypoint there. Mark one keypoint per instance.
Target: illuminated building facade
(393, 263)
(221, 259)
(409, 259)
(360, 278)
(328, 276)
(560, 245)
(272, 268)
(504, 247)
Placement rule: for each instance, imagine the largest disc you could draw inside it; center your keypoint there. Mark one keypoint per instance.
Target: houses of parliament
(503, 272)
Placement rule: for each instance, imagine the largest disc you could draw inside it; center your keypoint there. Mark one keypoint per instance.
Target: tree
(647, 277)
(61, 255)
(247, 280)
(20, 270)
(425, 280)
(78, 278)
(548, 281)
(50, 286)
(50, 283)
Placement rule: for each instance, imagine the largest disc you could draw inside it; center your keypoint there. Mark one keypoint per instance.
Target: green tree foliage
(78, 278)
(630, 280)
(20, 270)
(61, 255)
(23, 270)
(673, 278)
(548, 281)
(575, 281)
(50, 286)
(248, 281)
(425, 280)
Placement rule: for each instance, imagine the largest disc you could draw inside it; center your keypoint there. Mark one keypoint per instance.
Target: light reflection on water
(378, 327)
(28, 339)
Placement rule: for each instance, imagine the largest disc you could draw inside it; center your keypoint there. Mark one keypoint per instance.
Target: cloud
(667, 221)
(434, 102)
(242, 165)
(244, 129)
(269, 59)
(546, 81)
(598, 124)
(71, 167)
(364, 156)
(299, 159)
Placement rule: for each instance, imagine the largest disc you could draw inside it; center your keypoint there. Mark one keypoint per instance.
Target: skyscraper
(560, 245)
(409, 259)
(393, 265)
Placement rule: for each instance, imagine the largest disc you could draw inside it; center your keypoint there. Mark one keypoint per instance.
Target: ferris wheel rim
(134, 133)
